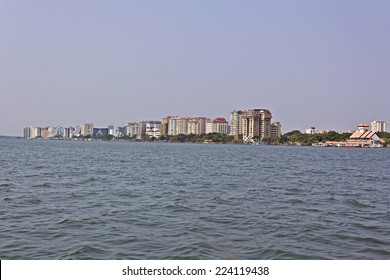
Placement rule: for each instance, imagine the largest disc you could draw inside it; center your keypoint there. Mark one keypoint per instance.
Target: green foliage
(192, 138)
(385, 136)
(296, 136)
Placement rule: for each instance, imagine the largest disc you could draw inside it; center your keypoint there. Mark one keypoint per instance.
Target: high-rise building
(178, 125)
(196, 125)
(27, 132)
(86, 129)
(111, 130)
(164, 126)
(68, 132)
(182, 125)
(276, 130)
(236, 124)
(174, 125)
(192, 126)
(378, 126)
(133, 129)
(256, 124)
(35, 132)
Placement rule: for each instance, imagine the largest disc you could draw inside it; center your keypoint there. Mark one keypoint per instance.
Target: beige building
(236, 124)
(249, 125)
(164, 126)
(35, 132)
(86, 129)
(276, 130)
(178, 125)
(197, 125)
(45, 132)
(183, 125)
(256, 124)
(218, 125)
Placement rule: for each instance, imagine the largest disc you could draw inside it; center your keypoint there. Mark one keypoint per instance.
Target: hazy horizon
(311, 63)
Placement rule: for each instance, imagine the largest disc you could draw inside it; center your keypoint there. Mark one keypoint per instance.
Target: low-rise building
(361, 138)
(152, 128)
(100, 132)
(218, 125)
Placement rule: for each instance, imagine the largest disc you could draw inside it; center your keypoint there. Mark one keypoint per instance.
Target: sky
(311, 63)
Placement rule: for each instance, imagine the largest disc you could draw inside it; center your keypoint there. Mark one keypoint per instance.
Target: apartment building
(218, 125)
(276, 130)
(378, 126)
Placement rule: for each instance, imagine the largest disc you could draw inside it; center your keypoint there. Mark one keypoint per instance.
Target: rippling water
(121, 200)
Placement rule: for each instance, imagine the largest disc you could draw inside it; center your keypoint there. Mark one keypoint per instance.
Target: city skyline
(254, 119)
(321, 64)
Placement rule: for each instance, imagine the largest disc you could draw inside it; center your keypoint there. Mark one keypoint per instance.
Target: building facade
(152, 128)
(379, 126)
(134, 129)
(164, 126)
(178, 125)
(27, 132)
(256, 124)
(68, 132)
(86, 129)
(276, 130)
(35, 132)
(236, 124)
(218, 125)
(196, 125)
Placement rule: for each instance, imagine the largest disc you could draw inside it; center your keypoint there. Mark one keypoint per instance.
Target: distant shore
(296, 144)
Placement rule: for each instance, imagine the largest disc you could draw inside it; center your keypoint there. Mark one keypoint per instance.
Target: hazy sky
(312, 63)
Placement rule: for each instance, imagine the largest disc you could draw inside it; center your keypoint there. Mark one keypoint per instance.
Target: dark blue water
(121, 200)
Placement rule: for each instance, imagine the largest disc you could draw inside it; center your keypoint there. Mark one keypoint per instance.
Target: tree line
(289, 138)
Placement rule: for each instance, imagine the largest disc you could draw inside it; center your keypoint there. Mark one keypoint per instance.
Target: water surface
(122, 200)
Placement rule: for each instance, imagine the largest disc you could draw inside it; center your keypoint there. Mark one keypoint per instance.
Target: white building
(311, 130)
(218, 125)
(111, 130)
(152, 128)
(134, 129)
(379, 126)
(178, 125)
(35, 132)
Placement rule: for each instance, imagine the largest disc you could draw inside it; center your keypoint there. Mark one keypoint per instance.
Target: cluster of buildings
(245, 125)
(376, 126)
(362, 137)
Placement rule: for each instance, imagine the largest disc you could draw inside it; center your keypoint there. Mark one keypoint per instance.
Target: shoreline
(316, 145)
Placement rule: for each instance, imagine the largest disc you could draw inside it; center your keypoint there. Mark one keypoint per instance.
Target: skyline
(321, 64)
